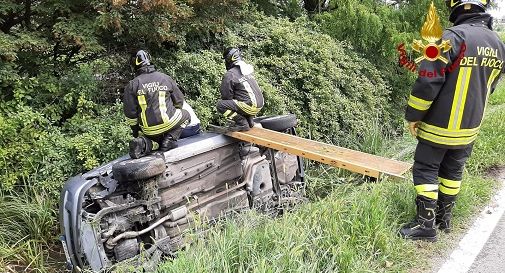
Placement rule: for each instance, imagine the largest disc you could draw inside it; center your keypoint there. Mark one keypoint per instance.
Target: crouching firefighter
(445, 113)
(241, 97)
(153, 105)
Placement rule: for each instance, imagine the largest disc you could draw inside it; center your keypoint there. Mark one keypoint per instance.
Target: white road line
(470, 246)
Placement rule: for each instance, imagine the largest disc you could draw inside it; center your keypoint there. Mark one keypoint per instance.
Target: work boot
(250, 121)
(139, 147)
(423, 227)
(168, 143)
(238, 124)
(445, 204)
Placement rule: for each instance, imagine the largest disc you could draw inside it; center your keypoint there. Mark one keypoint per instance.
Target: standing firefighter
(241, 97)
(153, 105)
(445, 112)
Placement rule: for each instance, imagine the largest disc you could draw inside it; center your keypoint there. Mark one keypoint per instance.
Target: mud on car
(140, 209)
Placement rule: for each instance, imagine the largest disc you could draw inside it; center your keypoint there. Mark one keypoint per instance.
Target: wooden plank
(339, 157)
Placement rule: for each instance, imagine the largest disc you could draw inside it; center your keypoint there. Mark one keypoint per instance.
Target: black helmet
(140, 59)
(231, 56)
(460, 5)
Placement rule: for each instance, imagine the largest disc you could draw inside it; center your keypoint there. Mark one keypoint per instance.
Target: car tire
(278, 123)
(138, 169)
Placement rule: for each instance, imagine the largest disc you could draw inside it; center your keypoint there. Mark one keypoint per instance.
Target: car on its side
(139, 209)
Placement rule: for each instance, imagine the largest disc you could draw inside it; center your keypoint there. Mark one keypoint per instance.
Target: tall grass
(349, 231)
(27, 229)
(498, 97)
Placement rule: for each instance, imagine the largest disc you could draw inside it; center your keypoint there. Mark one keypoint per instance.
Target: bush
(375, 29)
(335, 93)
(35, 152)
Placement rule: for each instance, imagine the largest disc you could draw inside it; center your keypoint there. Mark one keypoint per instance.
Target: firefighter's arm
(176, 96)
(497, 80)
(227, 86)
(424, 92)
(131, 109)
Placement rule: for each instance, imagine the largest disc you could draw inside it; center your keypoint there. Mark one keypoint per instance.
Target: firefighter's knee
(221, 106)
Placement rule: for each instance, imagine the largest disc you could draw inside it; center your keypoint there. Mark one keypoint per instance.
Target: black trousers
(439, 170)
(230, 109)
(174, 132)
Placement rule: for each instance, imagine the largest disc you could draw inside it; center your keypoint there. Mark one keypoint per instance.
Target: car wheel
(138, 169)
(278, 123)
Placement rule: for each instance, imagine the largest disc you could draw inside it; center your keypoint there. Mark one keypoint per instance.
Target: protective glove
(413, 125)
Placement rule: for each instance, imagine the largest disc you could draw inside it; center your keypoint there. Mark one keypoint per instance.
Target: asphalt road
(492, 257)
(482, 249)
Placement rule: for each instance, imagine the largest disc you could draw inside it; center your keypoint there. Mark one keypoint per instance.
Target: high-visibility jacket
(240, 85)
(450, 98)
(153, 101)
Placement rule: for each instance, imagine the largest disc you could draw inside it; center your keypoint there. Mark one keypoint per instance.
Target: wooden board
(339, 157)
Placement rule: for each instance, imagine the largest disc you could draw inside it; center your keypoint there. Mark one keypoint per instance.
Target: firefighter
(241, 97)
(445, 113)
(153, 105)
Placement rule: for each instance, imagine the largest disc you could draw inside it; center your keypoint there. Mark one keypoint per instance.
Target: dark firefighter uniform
(240, 94)
(241, 97)
(448, 100)
(153, 104)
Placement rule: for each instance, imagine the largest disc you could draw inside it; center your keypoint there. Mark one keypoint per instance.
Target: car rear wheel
(278, 123)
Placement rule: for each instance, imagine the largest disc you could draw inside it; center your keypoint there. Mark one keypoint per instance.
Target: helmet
(231, 56)
(140, 59)
(455, 4)
(458, 7)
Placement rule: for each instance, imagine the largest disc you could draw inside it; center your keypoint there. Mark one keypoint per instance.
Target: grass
(27, 230)
(498, 97)
(350, 226)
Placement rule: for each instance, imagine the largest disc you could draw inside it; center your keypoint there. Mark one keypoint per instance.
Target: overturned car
(143, 207)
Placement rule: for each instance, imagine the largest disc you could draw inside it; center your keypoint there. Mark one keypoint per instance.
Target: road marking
(469, 247)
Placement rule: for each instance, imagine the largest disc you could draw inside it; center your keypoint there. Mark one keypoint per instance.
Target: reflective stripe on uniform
(492, 77)
(448, 186)
(161, 128)
(460, 94)
(250, 92)
(250, 110)
(427, 190)
(449, 182)
(448, 191)
(163, 106)
(227, 113)
(494, 74)
(448, 132)
(449, 141)
(132, 121)
(232, 115)
(143, 106)
(419, 104)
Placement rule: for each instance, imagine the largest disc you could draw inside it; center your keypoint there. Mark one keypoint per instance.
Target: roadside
(492, 257)
(482, 248)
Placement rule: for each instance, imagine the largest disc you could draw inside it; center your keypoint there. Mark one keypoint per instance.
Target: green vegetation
(63, 64)
(498, 97)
